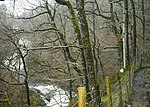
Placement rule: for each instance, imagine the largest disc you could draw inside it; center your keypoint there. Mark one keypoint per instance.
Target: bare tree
(21, 55)
(125, 35)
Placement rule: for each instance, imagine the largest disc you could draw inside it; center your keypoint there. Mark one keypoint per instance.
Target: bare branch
(111, 47)
(98, 14)
(49, 47)
(32, 16)
(11, 83)
(46, 29)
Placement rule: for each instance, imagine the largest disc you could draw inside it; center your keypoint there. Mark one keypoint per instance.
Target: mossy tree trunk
(82, 33)
(62, 39)
(79, 38)
(133, 35)
(87, 48)
(143, 32)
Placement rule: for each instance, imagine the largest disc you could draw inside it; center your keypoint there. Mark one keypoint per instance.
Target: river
(52, 95)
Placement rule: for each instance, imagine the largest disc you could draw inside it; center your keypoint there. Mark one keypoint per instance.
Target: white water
(52, 95)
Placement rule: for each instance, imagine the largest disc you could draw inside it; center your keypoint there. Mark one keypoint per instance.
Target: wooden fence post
(81, 97)
(120, 91)
(108, 91)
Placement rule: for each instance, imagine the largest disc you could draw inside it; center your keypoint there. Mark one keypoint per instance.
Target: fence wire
(119, 94)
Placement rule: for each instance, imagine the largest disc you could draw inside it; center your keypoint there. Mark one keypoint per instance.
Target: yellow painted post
(81, 97)
(108, 91)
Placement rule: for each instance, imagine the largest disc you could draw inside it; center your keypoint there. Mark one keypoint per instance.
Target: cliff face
(15, 93)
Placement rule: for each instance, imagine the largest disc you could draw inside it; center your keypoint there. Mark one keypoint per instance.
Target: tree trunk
(63, 41)
(26, 73)
(125, 35)
(87, 48)
(26, 78)
(117, 33)
(79, 37)
(143, 33)
(133, 40)
(113, 22)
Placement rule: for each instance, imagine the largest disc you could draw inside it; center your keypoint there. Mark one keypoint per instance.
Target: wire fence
(114, 95)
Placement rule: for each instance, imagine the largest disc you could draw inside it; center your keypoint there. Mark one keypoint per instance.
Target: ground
(139, 96)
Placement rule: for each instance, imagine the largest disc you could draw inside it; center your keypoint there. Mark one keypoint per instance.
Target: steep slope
(139, 95)
(15, 93)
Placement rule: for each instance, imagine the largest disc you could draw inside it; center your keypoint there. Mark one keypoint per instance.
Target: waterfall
(52, 95)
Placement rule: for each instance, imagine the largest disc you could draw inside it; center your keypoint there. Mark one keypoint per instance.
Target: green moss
(146, 65)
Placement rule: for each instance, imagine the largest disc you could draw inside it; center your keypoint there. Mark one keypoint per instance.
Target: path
(139, 95)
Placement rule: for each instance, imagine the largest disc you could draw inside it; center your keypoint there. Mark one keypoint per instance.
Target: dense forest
(50, 48)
